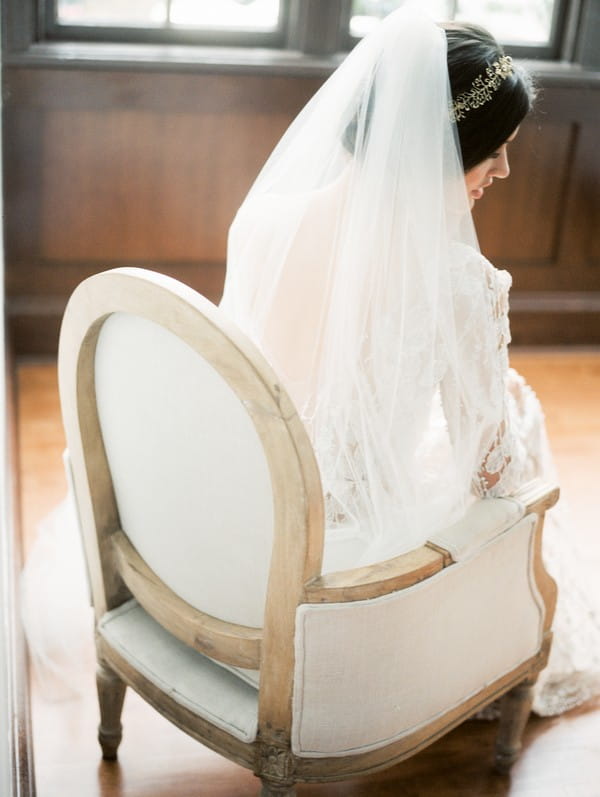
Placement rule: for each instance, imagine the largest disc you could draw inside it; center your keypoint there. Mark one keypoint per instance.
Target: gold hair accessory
(482, 88)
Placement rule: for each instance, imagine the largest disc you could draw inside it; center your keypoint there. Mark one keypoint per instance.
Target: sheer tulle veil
(344, 265)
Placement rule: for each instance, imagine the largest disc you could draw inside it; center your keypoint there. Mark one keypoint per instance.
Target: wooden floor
(561, 756)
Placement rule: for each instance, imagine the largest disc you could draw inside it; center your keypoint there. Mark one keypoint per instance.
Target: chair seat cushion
(483, 520)
(189, 678)
(348, 545)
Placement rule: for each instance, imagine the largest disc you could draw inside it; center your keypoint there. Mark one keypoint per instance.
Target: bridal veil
(348, 265)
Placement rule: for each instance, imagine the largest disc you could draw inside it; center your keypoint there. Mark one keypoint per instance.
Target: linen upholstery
(179, 444)
(414, 653)
(482, 521)
(192, 680)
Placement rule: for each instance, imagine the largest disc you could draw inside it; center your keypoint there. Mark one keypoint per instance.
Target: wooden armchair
(202, 516)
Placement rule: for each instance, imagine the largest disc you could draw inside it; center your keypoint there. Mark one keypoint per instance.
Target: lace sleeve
(484, 352)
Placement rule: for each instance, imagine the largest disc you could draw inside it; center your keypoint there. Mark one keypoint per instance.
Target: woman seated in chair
(353, 263)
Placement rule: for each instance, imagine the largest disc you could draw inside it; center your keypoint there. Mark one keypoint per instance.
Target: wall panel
(528, 204)
(138, 185)
(109, 168)
(113, 167)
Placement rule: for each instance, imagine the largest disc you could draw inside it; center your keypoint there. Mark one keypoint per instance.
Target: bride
(353, 264)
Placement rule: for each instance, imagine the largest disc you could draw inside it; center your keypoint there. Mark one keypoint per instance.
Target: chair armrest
(372, 581)
(537, 496)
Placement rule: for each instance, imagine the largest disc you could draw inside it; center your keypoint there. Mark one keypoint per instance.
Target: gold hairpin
(482, 88)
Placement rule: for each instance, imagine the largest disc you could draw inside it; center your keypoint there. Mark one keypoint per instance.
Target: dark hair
(471, 50)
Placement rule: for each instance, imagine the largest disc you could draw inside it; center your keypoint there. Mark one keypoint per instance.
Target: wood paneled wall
(106, 167)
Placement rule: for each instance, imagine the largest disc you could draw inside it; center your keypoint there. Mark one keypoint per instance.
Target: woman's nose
(501, 168)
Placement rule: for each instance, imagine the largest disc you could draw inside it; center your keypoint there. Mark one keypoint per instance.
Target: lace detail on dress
(572, 675)
(498, 464)
(494, 471)
(520, 452)
(501, 469)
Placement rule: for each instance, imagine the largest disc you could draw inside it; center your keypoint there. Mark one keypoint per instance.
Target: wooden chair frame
(117, 571)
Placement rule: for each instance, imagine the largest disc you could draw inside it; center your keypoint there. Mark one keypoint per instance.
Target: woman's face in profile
(482, 176)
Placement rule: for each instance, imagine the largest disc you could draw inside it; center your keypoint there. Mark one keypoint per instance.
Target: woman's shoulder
(467, 263)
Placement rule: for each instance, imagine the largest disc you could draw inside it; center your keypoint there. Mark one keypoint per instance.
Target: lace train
(572, 675)
(55, 607)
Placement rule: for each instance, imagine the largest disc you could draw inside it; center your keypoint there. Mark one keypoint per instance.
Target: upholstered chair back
(191, 480)
(196, 485)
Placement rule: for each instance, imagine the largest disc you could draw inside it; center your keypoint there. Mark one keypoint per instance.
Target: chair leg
(111, 694)
(515, 708)
(271, 789)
